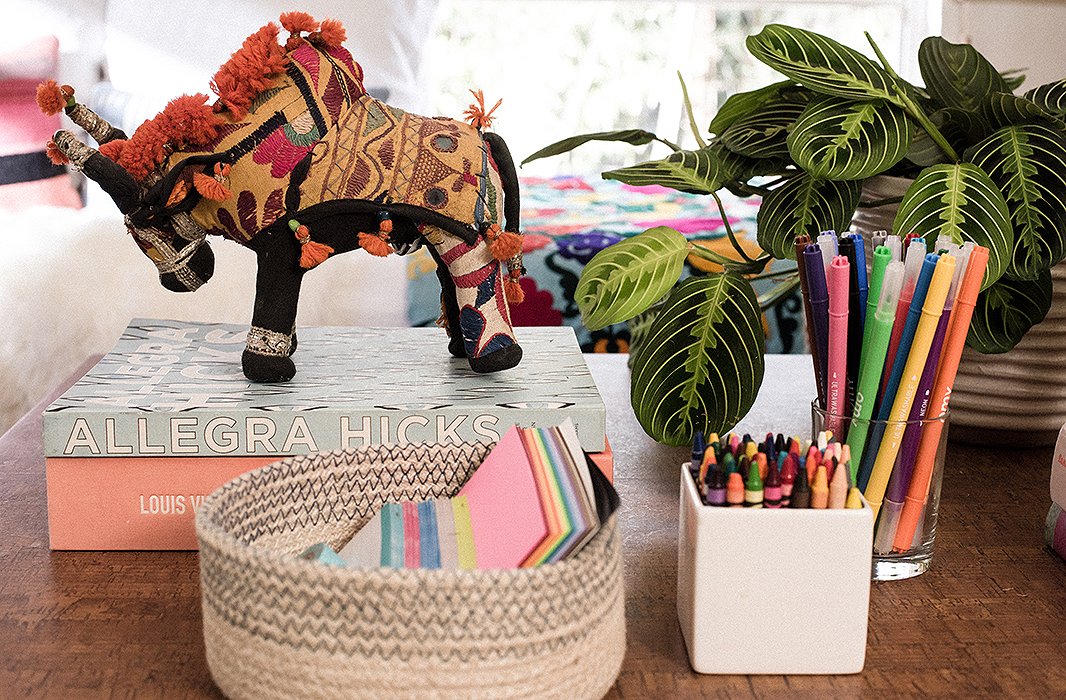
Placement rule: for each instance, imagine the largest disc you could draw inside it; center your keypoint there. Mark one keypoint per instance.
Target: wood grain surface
(988, 620)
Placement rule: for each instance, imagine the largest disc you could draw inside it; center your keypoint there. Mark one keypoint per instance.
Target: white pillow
(161, 50)
(78, 24)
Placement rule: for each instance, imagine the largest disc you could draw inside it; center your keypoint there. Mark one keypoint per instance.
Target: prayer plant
(987, 165)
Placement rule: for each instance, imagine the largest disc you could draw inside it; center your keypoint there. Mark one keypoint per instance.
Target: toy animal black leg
(484, 318)
(450, 306)
(272, 337)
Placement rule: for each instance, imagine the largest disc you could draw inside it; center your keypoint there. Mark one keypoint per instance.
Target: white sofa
(70, 280)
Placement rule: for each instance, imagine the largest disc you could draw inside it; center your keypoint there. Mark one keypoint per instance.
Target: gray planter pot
(1020, 394)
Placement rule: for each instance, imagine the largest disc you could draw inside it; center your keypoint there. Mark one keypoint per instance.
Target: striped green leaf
(741, 104)
(822, 64)
(1028, 165)
(634, 137)
(1002, 109)
(1006, 311)
(1013, 78)
(701, 365)
(626, 278)
(961, 129)
(838, 139)
(962, 202)
(762, 134)
(698, 172)
(1051, 97)
(804, 205)
(957, 74)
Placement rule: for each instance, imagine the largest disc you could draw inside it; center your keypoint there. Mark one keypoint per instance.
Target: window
(564, 67)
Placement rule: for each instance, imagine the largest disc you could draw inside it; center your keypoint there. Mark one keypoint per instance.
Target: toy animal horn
(52, 97)
(111, 176)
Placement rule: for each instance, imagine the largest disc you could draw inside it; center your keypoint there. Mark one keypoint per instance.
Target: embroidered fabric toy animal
(297, 162)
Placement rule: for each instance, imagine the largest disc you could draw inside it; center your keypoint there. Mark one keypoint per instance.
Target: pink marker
(836, 385)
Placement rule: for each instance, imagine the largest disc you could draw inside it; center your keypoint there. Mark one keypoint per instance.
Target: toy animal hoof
(457, 347)
(267, 368)
(504, 358)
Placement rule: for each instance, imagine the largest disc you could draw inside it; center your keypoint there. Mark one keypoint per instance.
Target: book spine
(278, 433)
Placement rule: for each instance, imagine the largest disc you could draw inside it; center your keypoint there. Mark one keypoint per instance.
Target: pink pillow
(27, 177)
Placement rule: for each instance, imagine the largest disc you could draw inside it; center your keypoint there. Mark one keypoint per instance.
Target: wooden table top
(988, 619)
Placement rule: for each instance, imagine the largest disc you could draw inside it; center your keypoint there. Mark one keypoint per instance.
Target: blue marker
(860, 266)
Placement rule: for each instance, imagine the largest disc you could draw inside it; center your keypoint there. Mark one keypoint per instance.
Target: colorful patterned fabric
(567, 220)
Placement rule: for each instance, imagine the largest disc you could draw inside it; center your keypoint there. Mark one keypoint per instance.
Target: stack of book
(1055, 525)
(532, 501)
(167, 416)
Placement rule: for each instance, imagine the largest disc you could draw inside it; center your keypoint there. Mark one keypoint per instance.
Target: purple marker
(818, 291)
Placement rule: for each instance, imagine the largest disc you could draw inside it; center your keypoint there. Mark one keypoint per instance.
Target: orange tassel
(55, 155)
(476, 115)
(512, 289)
(210, 188)
(503, 245)
(180, 191)
(312, 253)
(375, 244)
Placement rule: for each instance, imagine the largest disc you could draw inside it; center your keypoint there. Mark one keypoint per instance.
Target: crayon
(788, 479)
(838, 488)
(814, 458)
(699, 446)
(820, 489)
(753, 489)
(763, 464)
(734, 490)
(716, 480)
(854, 498)
(729, 463)
(708, 461)
(772, 495)
(801, 492)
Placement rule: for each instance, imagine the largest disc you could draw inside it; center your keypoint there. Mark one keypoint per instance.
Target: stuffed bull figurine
(297, 162)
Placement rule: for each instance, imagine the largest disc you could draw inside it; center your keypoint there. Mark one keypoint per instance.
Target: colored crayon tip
(734, 490)
(729, 463)
(716, 487)
(763, 464)
(753, 490)
(801, 493)
(699, 446)
(820, 489)
(854, 498)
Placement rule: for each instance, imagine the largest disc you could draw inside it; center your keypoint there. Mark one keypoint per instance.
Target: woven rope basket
(279, 627)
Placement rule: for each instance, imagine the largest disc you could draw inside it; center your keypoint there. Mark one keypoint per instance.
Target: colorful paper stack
(886, 340)
(1055, 525)
(532, 501)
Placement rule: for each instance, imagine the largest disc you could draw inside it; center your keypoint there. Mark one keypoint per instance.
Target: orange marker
(734, 491)
(820, 489)
(961, 314)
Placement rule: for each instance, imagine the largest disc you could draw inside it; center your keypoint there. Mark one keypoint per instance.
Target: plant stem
(671, 144)
(708, 254)
(911, 107)
(779, 292)
(691, 116)
(729, 229)
(870, 204)
(772, 275)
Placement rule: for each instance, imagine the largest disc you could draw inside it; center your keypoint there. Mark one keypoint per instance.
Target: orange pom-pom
(512, 289)
(375, 244)
(50, 98)
(210, 188)
(312, 253)
(249, 71)
(222, 169)
(55, 155)
(476, 114)
(503, 245)
(296, 22)
(331, 34)
(385, 226)
(113, 149)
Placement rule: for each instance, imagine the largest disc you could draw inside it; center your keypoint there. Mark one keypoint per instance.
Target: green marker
(882, 257)
(874, 351)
